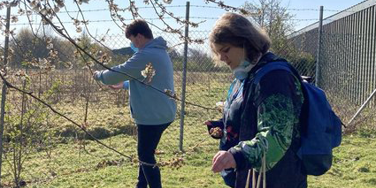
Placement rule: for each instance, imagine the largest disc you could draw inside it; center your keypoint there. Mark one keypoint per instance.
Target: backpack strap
(268, 68)
(278, 64)
(282, 64)
(266, 64)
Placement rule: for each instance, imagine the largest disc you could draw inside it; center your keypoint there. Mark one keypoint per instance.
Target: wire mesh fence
(347, 60)
(66, 85)
(104, 112)
(347, 67)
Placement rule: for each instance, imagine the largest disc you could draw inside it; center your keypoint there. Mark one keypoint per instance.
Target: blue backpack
(321, 128)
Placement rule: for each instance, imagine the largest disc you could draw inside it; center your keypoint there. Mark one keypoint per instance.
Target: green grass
(71, 166)
(85, 163)
(354, 164)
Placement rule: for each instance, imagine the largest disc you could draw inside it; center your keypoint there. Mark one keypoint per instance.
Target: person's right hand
(223, 160)
(117, 86)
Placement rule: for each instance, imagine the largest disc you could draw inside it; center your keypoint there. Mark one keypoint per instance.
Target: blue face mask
(134, 48)
(241, 72)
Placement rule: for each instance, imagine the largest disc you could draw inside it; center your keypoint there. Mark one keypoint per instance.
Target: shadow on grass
(97, 132)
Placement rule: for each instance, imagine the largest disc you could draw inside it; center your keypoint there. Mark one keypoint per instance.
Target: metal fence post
(182, 110)
(319, 45)
(4, 89)
(362, 107)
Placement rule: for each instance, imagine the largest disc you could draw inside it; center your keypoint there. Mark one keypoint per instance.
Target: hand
(97, 75)
(223, 160)
(215, 129)
(214, 124)
(220, 105)
(117, 86)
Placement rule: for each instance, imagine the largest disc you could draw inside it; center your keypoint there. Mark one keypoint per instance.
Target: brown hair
(238, 31)
(138, 27)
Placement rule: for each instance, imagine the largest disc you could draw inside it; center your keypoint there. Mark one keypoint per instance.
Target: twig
(70, 120)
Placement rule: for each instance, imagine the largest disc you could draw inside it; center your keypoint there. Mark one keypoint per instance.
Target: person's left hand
(223, 160)
(117, 86)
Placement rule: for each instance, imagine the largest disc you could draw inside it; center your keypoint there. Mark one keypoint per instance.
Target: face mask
(134, 48)
(241, 72)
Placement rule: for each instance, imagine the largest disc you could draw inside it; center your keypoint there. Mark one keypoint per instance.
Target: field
(68, 158)
(70, 165)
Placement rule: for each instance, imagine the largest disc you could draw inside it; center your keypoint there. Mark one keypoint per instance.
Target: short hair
(236, 30)
(138, 26)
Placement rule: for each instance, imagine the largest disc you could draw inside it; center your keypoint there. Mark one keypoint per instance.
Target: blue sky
(305, 11)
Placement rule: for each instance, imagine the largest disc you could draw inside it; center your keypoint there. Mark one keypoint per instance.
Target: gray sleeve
(128, 70)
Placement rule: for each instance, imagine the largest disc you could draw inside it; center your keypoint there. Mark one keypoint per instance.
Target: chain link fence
(66, 86)
(347, 61)
(347, 67)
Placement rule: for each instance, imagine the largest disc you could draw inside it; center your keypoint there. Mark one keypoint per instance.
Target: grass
(84, 163)
(71, 166)
(354, 164)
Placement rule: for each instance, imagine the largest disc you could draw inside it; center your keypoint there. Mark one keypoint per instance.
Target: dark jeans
(148, 139)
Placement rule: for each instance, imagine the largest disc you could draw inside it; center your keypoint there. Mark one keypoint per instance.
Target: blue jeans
(148, 139)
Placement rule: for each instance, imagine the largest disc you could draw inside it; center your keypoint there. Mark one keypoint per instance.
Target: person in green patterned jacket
(263, 115)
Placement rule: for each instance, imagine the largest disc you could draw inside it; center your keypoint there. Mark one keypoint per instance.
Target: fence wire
(347, 75)
(347, 63)
(67, 86)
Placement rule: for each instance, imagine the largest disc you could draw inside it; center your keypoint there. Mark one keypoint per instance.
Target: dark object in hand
(215, 129)
(216, 132)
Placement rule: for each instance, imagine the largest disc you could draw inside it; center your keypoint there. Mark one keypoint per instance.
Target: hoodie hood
(158, 42)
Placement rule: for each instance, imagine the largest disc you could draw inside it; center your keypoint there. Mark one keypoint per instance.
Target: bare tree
(199, 60)
(27, 47)
(275, 19)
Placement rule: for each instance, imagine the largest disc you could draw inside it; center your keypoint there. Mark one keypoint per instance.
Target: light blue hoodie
(148, 106)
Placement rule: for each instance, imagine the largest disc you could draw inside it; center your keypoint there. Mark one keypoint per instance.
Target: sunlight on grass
(78, 162)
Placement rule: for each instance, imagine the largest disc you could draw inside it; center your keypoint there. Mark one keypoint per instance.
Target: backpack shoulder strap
(280, 65)
(273, 62)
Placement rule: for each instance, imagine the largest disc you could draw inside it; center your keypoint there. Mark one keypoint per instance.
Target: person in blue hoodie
(152, 110)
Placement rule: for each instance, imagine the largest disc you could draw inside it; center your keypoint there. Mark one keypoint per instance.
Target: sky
(305, 13)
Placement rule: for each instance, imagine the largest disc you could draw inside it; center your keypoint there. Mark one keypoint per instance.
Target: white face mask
(241, 72)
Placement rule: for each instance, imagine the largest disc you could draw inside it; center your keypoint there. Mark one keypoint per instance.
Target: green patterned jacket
(270, 125)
